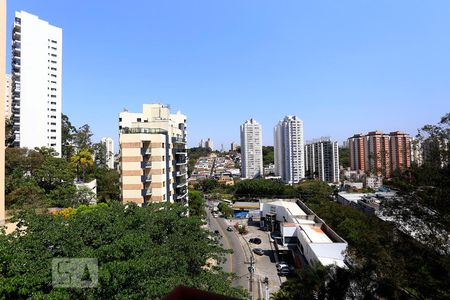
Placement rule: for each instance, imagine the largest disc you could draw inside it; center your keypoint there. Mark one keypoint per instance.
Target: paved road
(236, 261)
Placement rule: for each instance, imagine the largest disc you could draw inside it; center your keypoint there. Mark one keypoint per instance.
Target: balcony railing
(147, 192)
(179, 140)
(146, 151)
(147, 164)
(127, 130)
(148, 178)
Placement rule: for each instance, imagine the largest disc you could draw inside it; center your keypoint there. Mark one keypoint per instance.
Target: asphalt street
(236, 262)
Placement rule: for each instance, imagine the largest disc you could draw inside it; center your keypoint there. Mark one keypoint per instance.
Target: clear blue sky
(342, 66)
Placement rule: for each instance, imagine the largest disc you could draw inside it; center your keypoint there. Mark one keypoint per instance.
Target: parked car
(256, 241)
(281, 265)
(216, 232)
(229, 228)
(258, 251)
(286, 271)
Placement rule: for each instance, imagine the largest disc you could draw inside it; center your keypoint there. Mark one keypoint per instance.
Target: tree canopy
(143, 253)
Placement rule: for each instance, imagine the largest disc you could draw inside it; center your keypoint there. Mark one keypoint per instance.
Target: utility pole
(251, 270)
(266, 283)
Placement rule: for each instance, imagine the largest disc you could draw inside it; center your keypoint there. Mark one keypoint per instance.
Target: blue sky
(342, 66)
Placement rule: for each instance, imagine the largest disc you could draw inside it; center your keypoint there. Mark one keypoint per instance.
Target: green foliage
(207, 185)
(67, 137)
(196, 203)
(344, 157)
(143, 253)
(268, 154)
(225, 209)
(108, 187)
(316, 282)
(82, 137)
(314, 190)
(82, 160)
(383, 262)
(253, 188)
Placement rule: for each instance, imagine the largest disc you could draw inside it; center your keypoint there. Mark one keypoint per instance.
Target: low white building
(301, 228)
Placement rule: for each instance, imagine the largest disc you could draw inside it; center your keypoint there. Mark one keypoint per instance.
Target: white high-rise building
(251, 149)
(8, 100)
(322, 160)
(109, 144)
(37, 78)
(209, 144)
(289, 150)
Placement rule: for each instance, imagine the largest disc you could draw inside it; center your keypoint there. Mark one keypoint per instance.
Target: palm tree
(82, 160)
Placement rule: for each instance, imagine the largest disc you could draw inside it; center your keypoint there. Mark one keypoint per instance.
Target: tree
(82, 137)
(225, 209)
(344, 157)
(67, 137)
(82, 160)
(100, 154)
(142, 253)
(108, 187)
(268, 155)
(9, 132)
(53, 172)
(196, 203)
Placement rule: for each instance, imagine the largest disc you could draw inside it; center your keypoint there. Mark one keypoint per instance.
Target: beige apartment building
(153, 155)
(2, 106)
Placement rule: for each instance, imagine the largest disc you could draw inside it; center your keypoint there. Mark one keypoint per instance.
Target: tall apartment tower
(202, 144)
(400, 148)
(153, 162)
(37, 78)
(2, 107)
(322, 160)
(357, 150)
(209, 144)
(8, 96)
(109, 145)
(251, 149)
(289, 150)
(380, 154)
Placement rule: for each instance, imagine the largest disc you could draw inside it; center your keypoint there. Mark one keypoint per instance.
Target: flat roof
(292, 207)
(353, 197)
(315, 234)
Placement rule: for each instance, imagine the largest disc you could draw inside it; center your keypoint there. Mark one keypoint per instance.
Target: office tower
(322, 160)
(8, 96)
(380, 154)
(289, 150)
(109, 145)
(153, 162)
(209, 144)
(37, 78)
(202, 144)
(233, 146)
(251, 149)
(2, 107)
(400, 151)
(357, 151)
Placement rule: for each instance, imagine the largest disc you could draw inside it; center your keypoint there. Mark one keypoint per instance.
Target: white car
(282, 265)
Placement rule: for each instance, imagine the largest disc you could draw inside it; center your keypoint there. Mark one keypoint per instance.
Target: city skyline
(341, 69)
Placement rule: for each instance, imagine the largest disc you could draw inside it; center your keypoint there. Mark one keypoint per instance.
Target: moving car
(255, 241)
(229, 228)
(258, 251)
